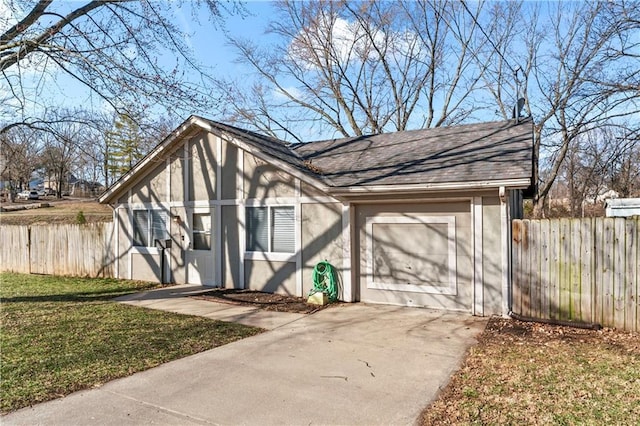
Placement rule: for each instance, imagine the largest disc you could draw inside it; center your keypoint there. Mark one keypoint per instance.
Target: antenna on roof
(517, 109)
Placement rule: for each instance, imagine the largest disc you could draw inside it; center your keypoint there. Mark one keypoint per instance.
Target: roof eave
(185, 129)
(430, 187)
(282, 165)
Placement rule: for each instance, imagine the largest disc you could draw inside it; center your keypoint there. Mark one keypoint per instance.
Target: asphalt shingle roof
(465, 153)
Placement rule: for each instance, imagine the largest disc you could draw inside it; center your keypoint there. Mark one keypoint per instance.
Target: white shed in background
(622, 207)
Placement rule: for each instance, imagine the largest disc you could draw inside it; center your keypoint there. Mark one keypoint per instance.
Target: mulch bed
(258, 299)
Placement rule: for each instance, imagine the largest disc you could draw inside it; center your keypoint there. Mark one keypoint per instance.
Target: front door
(199, 254)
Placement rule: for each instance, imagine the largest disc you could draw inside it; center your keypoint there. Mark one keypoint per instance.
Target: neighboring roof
(622, 202)
(622, 207)
(495, 151)
(466, 156)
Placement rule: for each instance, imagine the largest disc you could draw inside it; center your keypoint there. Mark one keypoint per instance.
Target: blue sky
(207, 42)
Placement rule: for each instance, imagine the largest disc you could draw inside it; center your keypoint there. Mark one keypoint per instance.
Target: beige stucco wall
(147, 267)
(270, 276)
(178, 235)
(153, 188)
(262, 180)
(230, 248)
(176, 167)
(231, 180)
(124, 242)
(491, 256)
(202, 167)
(321, 239)
(310, 191)
(405, 255)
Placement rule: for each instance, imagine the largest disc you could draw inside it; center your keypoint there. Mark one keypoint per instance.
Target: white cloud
(349, 42)
(8, 15)
(279, 94)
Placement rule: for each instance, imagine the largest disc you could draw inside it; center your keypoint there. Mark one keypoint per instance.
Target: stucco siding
(262, 180)
(321, 239)
(178, 234)
(147, 267)
(270, 276)
(405, 248)
(230, 175)
(491, 258)
(310, 191)
(230, 248)
(124, 242)
(153, 188)
(202, 167)
(176, 168)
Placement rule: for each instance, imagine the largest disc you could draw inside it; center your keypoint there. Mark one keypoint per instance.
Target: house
(622, 207)
(416, 218)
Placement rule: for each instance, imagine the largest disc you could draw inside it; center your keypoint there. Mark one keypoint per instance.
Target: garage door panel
(416, 255)
(394, 267)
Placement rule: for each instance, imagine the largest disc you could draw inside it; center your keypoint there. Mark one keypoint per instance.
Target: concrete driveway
(350, 364)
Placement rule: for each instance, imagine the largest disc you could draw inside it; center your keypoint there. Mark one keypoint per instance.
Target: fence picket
(545, 238)
(586, 270)
(632, 261)
(58, 249)
(575, 271)
(580, 269)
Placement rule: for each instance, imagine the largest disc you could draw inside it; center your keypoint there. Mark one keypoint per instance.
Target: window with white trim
(201, 231)
(149, 226)
(271, 229)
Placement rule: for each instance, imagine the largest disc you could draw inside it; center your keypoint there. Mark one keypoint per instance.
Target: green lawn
(59, 335)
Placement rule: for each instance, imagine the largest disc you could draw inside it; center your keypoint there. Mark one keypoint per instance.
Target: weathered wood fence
(73, 250)
(584, 270)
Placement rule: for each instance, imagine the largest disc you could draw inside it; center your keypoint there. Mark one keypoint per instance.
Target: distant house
(622, 207)
(417, 218)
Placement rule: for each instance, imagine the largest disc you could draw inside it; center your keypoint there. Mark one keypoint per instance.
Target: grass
(59, 335)
(523, 373)
(59, 212)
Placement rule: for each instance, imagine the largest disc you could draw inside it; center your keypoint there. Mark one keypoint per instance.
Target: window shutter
(140, 228)
(283, 229)
(257, 231)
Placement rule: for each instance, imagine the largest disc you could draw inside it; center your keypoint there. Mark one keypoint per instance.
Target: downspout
(506, 252)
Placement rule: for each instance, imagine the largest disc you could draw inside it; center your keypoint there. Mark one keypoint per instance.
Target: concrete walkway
(350, 364)
(174, 299)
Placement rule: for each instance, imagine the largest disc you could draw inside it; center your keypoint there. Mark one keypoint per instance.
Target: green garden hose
(325, 280)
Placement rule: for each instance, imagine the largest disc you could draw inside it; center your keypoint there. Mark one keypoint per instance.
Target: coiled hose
(325, 280)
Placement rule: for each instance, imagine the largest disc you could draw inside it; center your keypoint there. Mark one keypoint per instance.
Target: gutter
(522, 183)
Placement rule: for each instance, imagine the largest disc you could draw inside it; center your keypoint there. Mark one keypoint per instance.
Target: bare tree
(18, 158)
(349, 68)
(624, 170)
(569, 73)
(127, 53)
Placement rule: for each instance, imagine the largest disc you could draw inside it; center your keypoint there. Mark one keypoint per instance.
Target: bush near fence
(72, 250)
(584, 270)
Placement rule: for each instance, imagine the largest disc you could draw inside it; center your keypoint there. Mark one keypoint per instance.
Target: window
(202, 231)
(271, 229)
(149, 226)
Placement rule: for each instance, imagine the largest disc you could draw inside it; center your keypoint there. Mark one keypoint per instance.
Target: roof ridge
(353, 138)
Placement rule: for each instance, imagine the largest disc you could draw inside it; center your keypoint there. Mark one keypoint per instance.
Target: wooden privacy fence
(584, 270)
(74, 250)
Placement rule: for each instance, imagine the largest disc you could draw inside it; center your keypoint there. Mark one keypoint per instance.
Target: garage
(416, 254)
